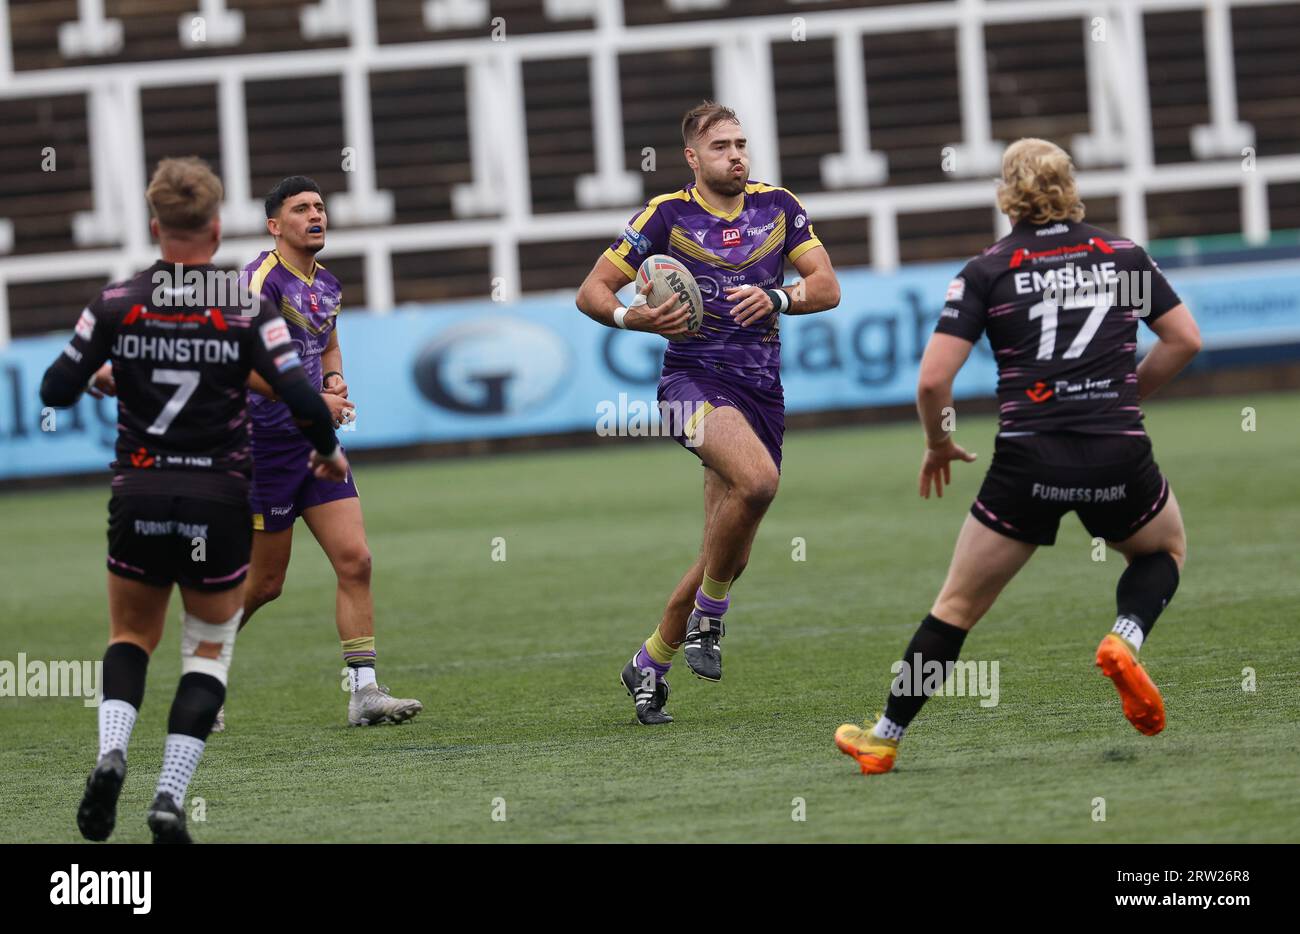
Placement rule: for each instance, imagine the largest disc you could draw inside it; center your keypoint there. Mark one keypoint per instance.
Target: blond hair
(1038, 183)
(184, 194)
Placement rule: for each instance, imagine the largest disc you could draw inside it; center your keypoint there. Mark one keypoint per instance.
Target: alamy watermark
(637, 418)
(28, 678)
(933, 678)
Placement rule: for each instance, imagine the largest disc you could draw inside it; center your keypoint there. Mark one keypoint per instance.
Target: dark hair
(286, 188)
(702, 118)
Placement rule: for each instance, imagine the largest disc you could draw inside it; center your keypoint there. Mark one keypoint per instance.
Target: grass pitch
(517, 660)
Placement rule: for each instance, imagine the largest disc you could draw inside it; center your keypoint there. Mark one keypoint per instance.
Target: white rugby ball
(668, 277)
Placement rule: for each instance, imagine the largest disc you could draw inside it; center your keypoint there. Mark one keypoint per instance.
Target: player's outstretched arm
(597, 300)
(1179, 341)
(944, 357)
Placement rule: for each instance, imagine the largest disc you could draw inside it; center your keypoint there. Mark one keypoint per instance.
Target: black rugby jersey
(1061, 304)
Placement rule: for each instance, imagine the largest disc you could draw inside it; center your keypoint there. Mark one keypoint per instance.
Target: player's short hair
(703, 117)
(1038, 183)
(285, 189)
(184, 193)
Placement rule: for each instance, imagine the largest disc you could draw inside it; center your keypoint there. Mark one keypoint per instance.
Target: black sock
(1145, 588)
(934, 641)
(125, 665)
(198, 698)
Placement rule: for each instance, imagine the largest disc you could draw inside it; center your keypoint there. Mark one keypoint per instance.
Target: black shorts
(1111, 481)
(199, 543)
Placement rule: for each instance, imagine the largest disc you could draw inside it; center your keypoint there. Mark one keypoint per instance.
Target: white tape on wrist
(619, 314)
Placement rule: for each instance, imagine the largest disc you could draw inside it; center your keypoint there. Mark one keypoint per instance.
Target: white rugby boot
(372, 705)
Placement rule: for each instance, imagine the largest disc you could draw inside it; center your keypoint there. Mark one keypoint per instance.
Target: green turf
(517, 660)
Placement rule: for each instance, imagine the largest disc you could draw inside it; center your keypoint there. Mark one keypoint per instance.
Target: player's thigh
(728, 445)
(1165, 532)
(136, 611)
(340, 529)
(983, 563)
(269, 560)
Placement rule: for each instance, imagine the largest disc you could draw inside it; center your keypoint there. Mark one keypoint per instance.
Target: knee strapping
(206, 648)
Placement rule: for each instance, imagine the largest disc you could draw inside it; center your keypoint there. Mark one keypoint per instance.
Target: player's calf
(935, 643)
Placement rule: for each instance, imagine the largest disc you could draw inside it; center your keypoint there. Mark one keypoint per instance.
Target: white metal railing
(494, 210)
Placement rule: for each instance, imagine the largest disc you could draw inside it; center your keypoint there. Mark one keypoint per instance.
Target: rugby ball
(668, 277)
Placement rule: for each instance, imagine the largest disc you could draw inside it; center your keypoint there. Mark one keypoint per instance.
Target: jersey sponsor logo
(141, 457)
(754, 231)
(799, 221)
(72, 353)
(1086, 389)
(731, 236)
(287, 361)
(1053, 230)
(274, 333)
(211, 316)
(1093, 245)
(281, 510)
(956, 290)
(639, 241)
(1039, 392)
(314, 299)
(950, 312)
(85, 324)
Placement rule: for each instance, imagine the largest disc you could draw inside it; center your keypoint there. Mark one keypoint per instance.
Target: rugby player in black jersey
(1060, 301)
(181, 347)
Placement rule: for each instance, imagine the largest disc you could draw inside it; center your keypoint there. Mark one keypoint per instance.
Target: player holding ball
(733, 236)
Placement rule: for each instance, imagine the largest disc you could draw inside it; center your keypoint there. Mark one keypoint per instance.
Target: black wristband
(780, 300)
(326, 378)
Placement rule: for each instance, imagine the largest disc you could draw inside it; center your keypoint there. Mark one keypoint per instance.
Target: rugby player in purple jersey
(720, 389)
(1060, 301)
(307, 295)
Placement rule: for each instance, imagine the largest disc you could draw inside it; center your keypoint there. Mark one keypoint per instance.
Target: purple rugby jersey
(748, 247)
(309, 306)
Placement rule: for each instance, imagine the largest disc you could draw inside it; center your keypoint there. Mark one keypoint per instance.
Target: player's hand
(752, 304)
(102, 383)
(336, 386)
(936, 468)
(342, 411)
(329, 468)
(667, 320)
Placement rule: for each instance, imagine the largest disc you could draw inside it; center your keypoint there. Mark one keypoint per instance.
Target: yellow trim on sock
(715, 590)
(359, 644)
(660, 650)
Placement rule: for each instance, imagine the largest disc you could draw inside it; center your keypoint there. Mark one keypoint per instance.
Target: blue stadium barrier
(484, 370)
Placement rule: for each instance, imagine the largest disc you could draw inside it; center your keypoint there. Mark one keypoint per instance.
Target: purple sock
(643, 661)
(710, 607)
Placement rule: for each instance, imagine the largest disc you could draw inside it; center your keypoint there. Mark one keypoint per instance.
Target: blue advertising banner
(485, 370)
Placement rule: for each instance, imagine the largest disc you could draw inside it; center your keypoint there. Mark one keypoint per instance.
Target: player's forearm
(62, 384)
(598, 302)
(331, 359)
(818, 292)
(933, 403)
(1162, 364)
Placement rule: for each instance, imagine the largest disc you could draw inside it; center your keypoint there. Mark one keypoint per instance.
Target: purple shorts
(686, 396)
(283, 486)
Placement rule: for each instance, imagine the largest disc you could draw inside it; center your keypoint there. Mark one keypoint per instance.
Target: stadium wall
(476, 375)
